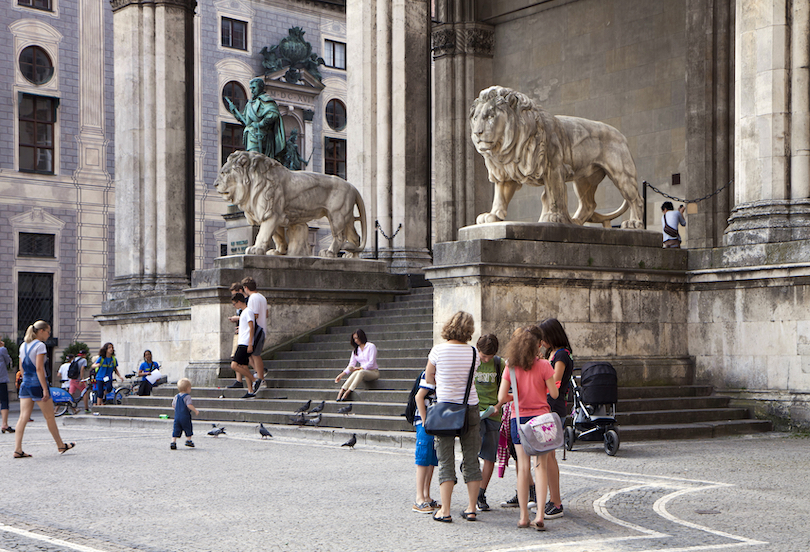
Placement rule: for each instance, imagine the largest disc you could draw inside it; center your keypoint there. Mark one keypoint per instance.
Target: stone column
(771, 202)
(152, 145)
(462, 53)
(94, 195)
(387, 140)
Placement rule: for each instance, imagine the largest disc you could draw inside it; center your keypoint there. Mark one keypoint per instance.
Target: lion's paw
(327, 253)
(633, 224)
(555, 217)
(275, 252)
(484, 218)
(254, 250)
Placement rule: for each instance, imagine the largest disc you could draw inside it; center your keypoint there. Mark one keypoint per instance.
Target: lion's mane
(530, 138)
(256, 191)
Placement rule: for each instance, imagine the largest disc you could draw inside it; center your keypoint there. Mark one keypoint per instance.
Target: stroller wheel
(570, 437)
(611, 442)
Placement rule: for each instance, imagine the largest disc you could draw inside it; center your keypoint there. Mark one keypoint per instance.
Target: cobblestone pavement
(122, 489)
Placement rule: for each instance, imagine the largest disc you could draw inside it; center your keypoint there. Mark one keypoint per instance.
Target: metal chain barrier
(678, 199)
(394, 235)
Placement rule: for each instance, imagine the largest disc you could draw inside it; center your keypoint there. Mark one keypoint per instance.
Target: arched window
(236, 93)
(336, 114)
(35, 65)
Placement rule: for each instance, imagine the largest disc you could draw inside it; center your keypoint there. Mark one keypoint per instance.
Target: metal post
(376, 239)
(644, 199)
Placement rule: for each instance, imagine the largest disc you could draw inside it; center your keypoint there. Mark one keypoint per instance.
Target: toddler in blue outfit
(182, 413)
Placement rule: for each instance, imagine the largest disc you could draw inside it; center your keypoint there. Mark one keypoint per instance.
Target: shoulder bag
(540, 434)
(450, 419)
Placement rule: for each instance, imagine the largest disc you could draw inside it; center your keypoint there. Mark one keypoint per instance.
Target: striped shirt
(452, 362)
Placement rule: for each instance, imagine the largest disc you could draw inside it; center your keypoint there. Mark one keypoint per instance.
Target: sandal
(8, 430)
(444, 519)
(66, 447)
(21, 455)
(469, 516)
(539, 526)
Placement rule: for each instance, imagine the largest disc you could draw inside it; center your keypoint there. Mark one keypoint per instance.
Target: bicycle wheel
(59, 409)
(120, 396)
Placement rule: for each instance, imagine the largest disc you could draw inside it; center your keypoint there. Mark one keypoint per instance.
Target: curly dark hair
(523, 347)
(460, 327)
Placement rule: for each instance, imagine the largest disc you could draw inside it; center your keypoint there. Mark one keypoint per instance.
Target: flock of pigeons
(303, 416)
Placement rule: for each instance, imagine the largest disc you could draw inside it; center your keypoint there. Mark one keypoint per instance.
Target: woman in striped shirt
(448, 367)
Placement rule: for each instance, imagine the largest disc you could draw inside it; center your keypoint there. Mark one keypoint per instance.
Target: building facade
(57, 142)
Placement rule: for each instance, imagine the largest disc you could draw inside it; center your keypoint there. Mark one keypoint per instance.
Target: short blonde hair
(184, 385)
(459, 328)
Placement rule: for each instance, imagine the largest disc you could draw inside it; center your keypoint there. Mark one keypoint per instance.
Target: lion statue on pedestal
(523, 144)
(281, 202)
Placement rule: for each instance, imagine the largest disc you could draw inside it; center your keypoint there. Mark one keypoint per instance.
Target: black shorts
(241, 356)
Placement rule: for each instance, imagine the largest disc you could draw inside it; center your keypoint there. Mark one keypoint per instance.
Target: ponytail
(33, 328)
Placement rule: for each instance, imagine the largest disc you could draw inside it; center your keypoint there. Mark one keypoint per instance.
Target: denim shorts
(513, 428)
(425, 452)
(33, 392)
(490, 433)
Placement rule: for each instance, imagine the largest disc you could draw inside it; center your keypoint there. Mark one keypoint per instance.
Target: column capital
(190, 5)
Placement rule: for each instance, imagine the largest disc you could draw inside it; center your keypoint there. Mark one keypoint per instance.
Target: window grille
(37, 245)
(34, 300)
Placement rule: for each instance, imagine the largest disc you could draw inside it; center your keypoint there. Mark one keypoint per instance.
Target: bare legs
(424, 474)
(245, 371)
(541, 483)
(26, 408)
(553, 479)
(524, 480)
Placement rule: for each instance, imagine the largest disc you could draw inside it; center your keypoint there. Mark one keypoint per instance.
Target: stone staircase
(402, 330)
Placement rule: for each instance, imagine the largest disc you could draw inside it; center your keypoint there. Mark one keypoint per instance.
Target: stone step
(422, 312)
(655, 392)
(344, 348)
(389, 335)
(382, 384)
(385, 363)
(403, 329)
(353, 421)
(418, 303)
(672, 403)
(328, 374)
(702, 430)
(681, 416)
(298, 394)
(337, 355)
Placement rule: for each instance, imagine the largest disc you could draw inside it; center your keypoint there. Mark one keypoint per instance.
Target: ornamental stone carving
(190, 5)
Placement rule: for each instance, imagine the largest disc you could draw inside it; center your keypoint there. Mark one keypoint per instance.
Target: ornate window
(231, 140)
(34, 300)
(236, 93)
(37, 245)
(37, 119)
(334, 54)
(334, 157)
(234, 33)
(36, 4)
(336, 114)
(35, 65)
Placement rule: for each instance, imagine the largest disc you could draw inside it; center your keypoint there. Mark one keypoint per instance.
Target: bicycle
(62, 400)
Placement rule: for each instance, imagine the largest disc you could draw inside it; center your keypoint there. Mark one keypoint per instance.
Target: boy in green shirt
(487, 381)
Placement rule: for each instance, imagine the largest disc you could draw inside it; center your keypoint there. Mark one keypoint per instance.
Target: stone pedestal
(617, 292)
(303, 294)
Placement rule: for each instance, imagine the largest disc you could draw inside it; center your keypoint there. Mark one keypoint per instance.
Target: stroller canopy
(599, 383)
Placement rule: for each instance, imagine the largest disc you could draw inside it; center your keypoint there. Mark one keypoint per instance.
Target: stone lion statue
(281, 202)
(523, 144)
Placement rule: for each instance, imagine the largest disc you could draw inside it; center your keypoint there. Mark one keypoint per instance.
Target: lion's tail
(361, 208)
(600, 218)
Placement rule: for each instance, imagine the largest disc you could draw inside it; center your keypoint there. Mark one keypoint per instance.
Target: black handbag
(450, 419)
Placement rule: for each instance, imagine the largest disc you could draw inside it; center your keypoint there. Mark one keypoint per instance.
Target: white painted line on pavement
(49, 540)
(600, 507)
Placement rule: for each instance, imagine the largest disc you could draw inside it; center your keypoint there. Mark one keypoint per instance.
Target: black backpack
(74, 369)
(410, 408)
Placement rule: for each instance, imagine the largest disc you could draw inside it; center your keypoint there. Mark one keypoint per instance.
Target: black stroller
(593, 414)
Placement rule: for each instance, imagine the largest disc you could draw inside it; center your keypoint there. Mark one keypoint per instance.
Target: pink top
(532, 388)
(366, 358)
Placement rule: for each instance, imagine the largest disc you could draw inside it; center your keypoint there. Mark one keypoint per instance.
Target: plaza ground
(122, 489)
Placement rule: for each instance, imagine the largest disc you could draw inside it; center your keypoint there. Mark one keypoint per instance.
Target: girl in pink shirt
(534, 382)
(362, 365)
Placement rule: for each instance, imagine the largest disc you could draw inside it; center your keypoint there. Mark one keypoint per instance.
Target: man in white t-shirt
(63, 372)
(241, 358)
(257, 305)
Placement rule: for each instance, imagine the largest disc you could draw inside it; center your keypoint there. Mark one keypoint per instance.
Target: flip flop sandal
(21, 455)
(519, 526)
(445, 519)
(66, 447)
(539, 526)
(469, 516)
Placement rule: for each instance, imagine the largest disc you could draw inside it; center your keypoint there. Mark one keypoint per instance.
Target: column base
(768, 221)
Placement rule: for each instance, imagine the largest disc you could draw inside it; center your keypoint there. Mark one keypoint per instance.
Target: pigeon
(299, 419)
(314, 420)
(264, 433)
(351, 442)
(217, 431)
(345, 410)
(318, 408)
(304, 407)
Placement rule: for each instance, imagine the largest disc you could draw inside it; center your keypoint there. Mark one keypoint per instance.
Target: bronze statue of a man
(264, 130)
